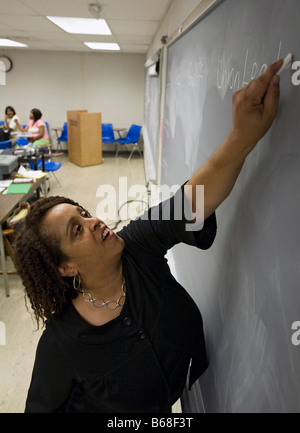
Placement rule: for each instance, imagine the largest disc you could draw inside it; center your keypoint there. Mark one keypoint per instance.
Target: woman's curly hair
(37, 256)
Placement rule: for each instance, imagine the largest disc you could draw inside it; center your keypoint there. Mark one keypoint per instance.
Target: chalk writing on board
(195, 73)
(233, 79)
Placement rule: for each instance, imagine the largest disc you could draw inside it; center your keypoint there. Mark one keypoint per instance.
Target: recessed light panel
(103, 46)
(9, 43)
(83, 26)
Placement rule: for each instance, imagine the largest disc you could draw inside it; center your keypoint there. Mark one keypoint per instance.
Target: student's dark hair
(37, 114)
(37, 256)
(9, 107)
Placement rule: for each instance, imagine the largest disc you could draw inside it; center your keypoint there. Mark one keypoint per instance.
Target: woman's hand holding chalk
(286, 63)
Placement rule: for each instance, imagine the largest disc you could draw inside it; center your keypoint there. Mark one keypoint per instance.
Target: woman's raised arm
(254, 110)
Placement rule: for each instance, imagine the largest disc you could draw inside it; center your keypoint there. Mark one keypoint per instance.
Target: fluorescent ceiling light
(83, 26)
(102, 46)
(9, 43)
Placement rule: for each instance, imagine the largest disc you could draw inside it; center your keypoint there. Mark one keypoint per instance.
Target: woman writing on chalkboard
(121, 334)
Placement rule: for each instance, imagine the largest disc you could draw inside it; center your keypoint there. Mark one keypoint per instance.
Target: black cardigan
(139, 361)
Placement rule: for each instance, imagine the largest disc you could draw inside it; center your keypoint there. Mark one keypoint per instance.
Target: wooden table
(8, 203)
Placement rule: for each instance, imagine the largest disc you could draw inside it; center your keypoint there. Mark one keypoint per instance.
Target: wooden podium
(84, 137)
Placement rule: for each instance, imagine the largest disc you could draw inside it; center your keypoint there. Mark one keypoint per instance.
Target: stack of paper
(33, 174)
(4, 184)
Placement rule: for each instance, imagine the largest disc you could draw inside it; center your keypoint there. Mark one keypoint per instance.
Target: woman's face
(10, 114)
(86, 240)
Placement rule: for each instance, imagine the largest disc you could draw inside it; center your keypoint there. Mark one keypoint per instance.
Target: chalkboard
(151, 125)
(247, 285)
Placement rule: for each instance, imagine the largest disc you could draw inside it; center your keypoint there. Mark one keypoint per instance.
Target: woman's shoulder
(67, 322)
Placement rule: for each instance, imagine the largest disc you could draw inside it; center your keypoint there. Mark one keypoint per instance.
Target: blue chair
(47, 128)
(63, 138)
(108, 135)
(132, 137)
(22, 141)
(5, 144)
(50, 167)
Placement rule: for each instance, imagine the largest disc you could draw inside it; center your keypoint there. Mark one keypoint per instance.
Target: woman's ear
(67, 271)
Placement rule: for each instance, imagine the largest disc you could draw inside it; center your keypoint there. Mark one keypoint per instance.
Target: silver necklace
(99, 302)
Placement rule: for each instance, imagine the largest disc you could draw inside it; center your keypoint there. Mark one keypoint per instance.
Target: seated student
(10, 122)
(4, 134)
(37, 127)
(11, 118)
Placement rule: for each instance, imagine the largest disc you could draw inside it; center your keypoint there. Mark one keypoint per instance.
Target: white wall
(55, 82)
(112, 84)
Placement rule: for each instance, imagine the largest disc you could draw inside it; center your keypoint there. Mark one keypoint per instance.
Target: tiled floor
(82, 184)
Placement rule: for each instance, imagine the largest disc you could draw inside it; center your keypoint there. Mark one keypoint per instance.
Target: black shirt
(139, 361)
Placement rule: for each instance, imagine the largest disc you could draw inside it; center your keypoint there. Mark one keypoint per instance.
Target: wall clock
(5, 64)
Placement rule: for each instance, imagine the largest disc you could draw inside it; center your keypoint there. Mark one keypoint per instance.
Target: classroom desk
(34, 159)
(8, 203)
(19, 134)
(119, 130)
(57, 129)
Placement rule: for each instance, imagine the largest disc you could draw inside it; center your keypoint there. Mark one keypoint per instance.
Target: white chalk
(286, 63)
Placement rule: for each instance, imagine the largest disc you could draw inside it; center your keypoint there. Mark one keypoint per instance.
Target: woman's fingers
(258, 88)
(255, 106)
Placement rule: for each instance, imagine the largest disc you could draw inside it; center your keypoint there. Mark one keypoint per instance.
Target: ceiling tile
(16, 6)
(132, 22)
(127, 27)
(64, 8)
(144, 10)
(138, 49)
(31, 22)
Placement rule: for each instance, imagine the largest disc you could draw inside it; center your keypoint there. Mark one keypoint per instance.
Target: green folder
(18, 188)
